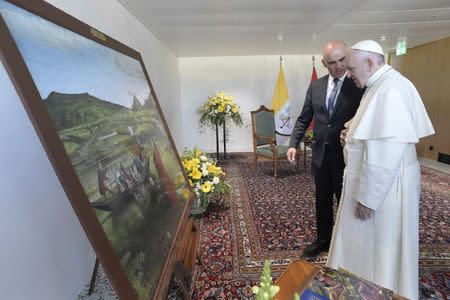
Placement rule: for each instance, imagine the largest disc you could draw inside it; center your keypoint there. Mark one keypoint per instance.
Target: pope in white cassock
(376, 234)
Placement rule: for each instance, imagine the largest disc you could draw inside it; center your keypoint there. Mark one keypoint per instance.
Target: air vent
(444, 158)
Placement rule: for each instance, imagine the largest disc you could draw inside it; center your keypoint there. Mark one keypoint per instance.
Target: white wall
(113, 19)
(251, 80)
(44, 253)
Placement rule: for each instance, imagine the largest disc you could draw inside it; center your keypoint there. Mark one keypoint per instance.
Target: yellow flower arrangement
(204, 175)
(219, 107)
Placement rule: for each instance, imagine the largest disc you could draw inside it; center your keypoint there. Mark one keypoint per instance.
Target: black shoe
(316, 248)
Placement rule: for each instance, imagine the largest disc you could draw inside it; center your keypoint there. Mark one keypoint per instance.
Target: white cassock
(382, 172)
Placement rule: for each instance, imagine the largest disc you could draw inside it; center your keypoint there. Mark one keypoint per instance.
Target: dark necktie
(332, 96)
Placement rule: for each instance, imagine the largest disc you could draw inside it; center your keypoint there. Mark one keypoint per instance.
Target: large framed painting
(92, 104)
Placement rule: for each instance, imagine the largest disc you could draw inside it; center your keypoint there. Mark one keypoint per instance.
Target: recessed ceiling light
(280, 36)
(382, 38)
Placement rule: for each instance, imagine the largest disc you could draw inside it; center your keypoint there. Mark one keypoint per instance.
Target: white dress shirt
(330, 87)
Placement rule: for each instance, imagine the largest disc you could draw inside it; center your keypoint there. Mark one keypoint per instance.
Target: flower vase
(199, 205)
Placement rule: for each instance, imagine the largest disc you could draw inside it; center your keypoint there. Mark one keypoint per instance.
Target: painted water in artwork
(102, 107)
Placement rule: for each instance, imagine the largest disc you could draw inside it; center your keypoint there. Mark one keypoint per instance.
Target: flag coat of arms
(280, 105)
(313, 77)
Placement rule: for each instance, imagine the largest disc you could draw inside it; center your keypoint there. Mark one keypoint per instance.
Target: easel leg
(184, 277)
(94, 277)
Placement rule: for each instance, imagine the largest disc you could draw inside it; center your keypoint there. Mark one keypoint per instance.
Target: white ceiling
(254, 27)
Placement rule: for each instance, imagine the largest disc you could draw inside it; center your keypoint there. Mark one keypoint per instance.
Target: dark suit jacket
(326, 129)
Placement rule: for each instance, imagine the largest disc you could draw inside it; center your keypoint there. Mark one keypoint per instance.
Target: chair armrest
(282, 134)
(272, 142)
(273, 146)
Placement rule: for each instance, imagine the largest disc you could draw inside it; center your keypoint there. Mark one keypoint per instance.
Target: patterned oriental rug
(274, 219)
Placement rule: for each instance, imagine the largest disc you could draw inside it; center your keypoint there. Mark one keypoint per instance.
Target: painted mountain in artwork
(137, 106)
(70, 110)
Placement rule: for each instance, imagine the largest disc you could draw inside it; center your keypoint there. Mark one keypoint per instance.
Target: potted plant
(309, 137)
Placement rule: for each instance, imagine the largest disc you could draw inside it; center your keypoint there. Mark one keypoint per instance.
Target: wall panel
(428, 67)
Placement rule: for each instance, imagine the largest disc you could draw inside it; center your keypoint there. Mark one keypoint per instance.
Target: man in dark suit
(331, 100)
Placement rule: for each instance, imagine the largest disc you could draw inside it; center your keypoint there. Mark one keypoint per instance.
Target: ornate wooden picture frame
(95, 111)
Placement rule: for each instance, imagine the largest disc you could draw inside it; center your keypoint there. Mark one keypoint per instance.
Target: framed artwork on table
(95, 111)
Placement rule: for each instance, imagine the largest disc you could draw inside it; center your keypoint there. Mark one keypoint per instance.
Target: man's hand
(363, 212)
(291, 154)
(343, 135)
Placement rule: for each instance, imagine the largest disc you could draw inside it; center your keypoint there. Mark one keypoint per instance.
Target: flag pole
(224, 142)
(217, 141)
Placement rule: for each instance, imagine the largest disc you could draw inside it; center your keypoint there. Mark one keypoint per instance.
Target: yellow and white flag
(280, 104)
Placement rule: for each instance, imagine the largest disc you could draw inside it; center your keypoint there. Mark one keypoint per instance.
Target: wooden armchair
(264, 138)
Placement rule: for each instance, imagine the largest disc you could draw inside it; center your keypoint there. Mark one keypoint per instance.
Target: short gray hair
(375, 57)
(379, 58)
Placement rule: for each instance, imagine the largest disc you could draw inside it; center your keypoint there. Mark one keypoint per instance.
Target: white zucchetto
(369, 46)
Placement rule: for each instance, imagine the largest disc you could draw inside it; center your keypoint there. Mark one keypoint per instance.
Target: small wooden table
(297, 276)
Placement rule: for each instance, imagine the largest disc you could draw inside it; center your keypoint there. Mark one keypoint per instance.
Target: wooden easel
(296, 278)
(94, 277)
(186, 258)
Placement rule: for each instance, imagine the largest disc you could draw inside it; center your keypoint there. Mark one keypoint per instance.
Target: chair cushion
(267, 151)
